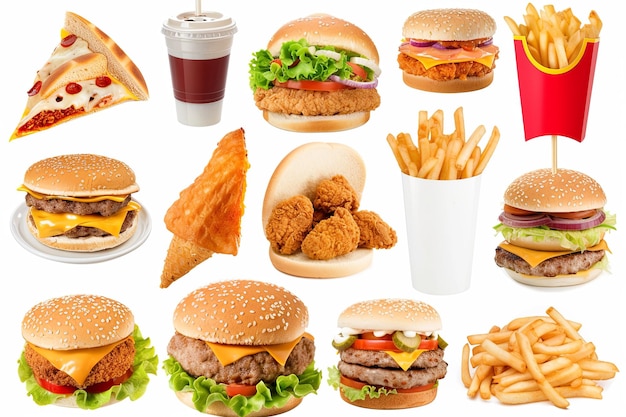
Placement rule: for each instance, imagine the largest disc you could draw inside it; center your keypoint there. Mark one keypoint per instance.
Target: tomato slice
(383, 343)
(352, 383)
(240, 389)
(358, 70)
(93, 389)
(57, 389)
(312, 85)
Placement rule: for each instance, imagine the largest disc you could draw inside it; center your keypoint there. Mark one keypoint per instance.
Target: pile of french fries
(555, 38)
(442, 156)
(534, 359)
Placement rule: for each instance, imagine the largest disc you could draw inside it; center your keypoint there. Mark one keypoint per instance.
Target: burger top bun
(80, 175)
(77, 322)
(449, 25)
(391, 315)
(323, 29)
(546, 191)
(299, 173)
(241, 312)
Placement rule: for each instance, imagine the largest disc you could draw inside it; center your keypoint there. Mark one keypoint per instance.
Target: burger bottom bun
(298, 123)
(547, 244)
(85, 244)
(578, 278)
(451, 86)
(395, 401)
(300, 265)
(219, 409)
(70, 402)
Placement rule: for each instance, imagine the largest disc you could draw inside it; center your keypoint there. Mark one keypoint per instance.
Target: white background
(167, 156)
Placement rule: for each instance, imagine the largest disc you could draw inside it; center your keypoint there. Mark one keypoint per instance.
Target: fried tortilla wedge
(206, 218)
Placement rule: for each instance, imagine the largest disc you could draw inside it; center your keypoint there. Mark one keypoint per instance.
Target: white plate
(20, 231)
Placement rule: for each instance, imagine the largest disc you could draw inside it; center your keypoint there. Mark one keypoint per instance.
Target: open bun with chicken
(312, 216)
(448, 50)
(318, 74)
(554, 224)
(390, 354)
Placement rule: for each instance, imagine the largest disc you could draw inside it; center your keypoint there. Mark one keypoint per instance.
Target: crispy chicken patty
(443, 72)
(115, 364)
(560, 265)
(197, 358)
(316, 103)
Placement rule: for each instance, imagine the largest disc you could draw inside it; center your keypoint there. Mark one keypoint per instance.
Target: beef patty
(570, 263)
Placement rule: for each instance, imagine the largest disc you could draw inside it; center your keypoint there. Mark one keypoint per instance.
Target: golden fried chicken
(374, 232)
(291, 220)
(333, 193)
(332, 237)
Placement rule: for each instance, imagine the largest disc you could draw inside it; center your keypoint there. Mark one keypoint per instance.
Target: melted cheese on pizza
(61, 55)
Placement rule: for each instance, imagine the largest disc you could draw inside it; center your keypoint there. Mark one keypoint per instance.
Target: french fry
(466, 377)
(468, 147)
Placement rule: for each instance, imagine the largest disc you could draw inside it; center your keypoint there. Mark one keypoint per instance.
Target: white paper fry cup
(441, 227)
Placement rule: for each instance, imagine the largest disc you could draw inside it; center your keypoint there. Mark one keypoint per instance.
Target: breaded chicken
(374, 232)
(443, 72)
(291, 220)
(332, 237)
(333, 193)
(316, 103)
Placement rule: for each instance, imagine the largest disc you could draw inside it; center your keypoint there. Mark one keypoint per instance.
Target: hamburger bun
(300, 123)
(219, 409)
(578, 278)
(299, 173)
(278, 316)
(448, 86)
(396, 401)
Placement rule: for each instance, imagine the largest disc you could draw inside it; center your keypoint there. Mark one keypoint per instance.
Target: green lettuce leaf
(353, 394)
(206, 391)
(297, 62)
(146, 362)
(570, 239)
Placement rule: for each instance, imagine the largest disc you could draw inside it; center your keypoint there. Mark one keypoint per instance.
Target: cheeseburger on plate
(553, 224)
(81, 202)
(241, 349)
(318, 74)
(448, 50)
(84, 351)
(391, 356)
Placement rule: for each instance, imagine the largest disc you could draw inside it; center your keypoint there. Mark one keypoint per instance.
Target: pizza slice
(86, 72)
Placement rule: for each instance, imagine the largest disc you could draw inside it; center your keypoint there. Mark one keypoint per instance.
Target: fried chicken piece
(291, 220)
(443, 72)
(375, 233)
(332, 237)
(333, 193)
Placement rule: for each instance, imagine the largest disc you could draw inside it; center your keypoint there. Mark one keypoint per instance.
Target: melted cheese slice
(76, 363)
(53, 224)
(228, 354)
(404, 359)
(535, 257)
(39, 196)
(430, 56)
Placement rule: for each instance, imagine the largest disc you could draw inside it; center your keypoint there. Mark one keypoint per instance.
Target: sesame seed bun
(77, 322)
(449, 25)
(241, 312)
(391, 315)
(80, 175)
(546, 191)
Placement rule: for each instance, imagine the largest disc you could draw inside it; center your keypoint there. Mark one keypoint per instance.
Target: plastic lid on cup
(207, 25)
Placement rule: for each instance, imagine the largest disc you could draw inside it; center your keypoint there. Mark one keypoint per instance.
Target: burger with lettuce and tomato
(318, 74)
(554, 223)
(391, 355)
(448, 50)
(84, 351)
(241, 349)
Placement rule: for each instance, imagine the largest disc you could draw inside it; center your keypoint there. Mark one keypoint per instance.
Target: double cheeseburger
(81, 202)
(84, 351)
(241, 349)
(448, 50)
(391, 356)
(318, 74)
(553, 224)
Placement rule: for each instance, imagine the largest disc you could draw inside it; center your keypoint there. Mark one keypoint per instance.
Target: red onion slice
(560, 223)
(355, 84)
(421, 44)
(531, 220)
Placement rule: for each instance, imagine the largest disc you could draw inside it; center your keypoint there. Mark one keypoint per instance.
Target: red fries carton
(555, 101)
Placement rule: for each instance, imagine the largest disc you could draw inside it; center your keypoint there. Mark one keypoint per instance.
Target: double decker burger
(241, 349)
(554, 223)
(81, 202)
(391, 355)
(318, 73)
(448, 50)
(84, 351)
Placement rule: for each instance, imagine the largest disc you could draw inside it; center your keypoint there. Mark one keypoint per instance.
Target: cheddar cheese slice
(430, 56)
(535, 257)
(405, 359)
